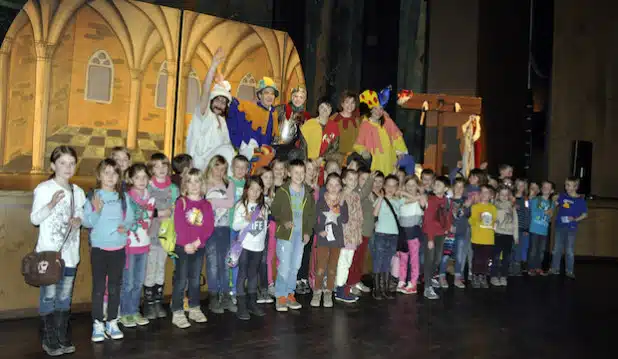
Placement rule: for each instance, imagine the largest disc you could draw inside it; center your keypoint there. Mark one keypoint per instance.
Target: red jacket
(437, 219)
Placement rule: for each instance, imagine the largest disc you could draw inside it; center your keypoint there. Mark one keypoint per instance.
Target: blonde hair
(414, 178)
(191, 174)
(216, 161)
(313, 163)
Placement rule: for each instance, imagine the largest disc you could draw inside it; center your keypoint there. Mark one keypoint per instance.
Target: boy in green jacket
(294, 211)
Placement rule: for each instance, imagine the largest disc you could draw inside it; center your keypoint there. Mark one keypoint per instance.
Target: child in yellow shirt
(482, 223)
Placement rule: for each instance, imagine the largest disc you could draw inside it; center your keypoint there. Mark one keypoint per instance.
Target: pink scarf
(138, 198)
(161, 185)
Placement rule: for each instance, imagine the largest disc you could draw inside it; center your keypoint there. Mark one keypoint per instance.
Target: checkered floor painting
(91, 145)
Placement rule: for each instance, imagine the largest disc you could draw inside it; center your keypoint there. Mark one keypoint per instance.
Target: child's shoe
(299, 287)
(411, 288)
(243, 312)
(430, 293)
(140, 320)
(532, 273)
(112, 330)
(435, 283)
(503, 282)
(214, 303)
(316, 299)
(328, 299)
(401, 287)
(362, 287)
(554, 272)
(476, 281)
(570, 275)
(483, 281)
(98, 332)
(459, 282)
(282, 304)
(542, 273)
(342, 296)
(271, 290)
(306, 286)
(196, 315)
(253, 308)
(495, 281)
(128, 321)
(227, 302)
(179, 319)
(292, 303)
(443, 282)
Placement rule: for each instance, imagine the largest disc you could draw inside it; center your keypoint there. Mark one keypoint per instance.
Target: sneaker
(495, 281)
(98, 332)
(401, 287)
(292, 303)
(443, 282)
(362, 287)
(299, 287)
(261, 298)
(282, 304)
(306, 286)
(532, 273)
(328, 299)
(476, 281)
(316, 298)
(459, 283)
(271, 290)
(267, 298)
(503, 281)
(435, 283)
(357, 292)
(431, 294)
(570, 275)
(227, 302)
(542, 273)
(342, 296)
(140, 319)
(483, 281)
(411, 288)
(128, 321)
(112, 330)
(196, 315)
(554, 272)
(179, 319)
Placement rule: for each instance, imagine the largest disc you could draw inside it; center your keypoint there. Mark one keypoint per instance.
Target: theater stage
(533, 318)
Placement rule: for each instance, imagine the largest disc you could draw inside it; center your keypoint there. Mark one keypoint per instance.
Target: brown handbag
(47, 267)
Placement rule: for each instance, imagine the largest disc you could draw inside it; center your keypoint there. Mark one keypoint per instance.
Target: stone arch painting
(47, 55)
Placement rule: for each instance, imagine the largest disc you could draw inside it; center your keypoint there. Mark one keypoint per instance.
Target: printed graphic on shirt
(486, 220)
(259, 225)
(542, 218)
(194, 217)
(222, 215)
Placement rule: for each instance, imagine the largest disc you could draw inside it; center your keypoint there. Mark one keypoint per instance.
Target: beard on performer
(219, 106)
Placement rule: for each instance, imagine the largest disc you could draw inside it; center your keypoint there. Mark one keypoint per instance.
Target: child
(352, 235)
(138, 243)
(571, 210)
(280, 172)
(58, 210)
(265, 280)
(482, 221)
(306, 271)
(387, 209)
(541, 211)
(251, 219)
(165, 193)
(427, 178)
(109, 216)
(220, 193)
(506, 234)
(366, 182)
(193, 222)
(122, 156)
(520, 256)
(332, 213)
(181, 164)
(294, 212)
(533, 190)
(460, 209)
(240, 170)
(410, 218)
(506, 172)
(436, 225)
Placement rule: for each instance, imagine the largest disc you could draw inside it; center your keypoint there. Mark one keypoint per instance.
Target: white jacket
(256, 235)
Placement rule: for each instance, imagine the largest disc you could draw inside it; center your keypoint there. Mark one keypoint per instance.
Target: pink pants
(413, 245)
(272, 249)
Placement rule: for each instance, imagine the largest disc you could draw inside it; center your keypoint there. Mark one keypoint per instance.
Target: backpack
(167, 233)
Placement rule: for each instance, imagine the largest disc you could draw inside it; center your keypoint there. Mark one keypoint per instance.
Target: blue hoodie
(104, 225)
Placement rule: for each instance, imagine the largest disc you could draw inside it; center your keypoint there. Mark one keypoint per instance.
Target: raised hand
(97, 203)
(56, 198)
(219, 55)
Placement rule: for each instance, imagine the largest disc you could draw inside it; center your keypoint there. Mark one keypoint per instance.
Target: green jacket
(282, 212)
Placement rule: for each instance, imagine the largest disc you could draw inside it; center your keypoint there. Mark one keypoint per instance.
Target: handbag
(233, 255)
(47, 267)
(402, 240)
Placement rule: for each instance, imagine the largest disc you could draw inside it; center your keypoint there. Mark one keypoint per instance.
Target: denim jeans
(187, 276)
(520, 253)
(217, 271)
(57, 296)
(538, 244)
(433, 257)
(501, 259)
(290, 256)
(132, 282)
(233, 272)
(384, 248)
(564, 241)
(248, 265)
(462, 249)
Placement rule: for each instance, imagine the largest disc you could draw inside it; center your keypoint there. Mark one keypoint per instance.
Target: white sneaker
(503, 281)
(401, 287)
(430, 293)
(98, 332)
(495, 281)
(179, 319)
(112, 330)
(362, 287)
(196, 315)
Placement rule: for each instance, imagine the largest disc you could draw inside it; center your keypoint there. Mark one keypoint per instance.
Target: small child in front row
(251, 221)
(572, 209)
(109, 216)
(507, 234)
(522, 205)
(411, 219)
(142, 205)
(194, 224)
(460, 209)
(541, 210)
(265, 279)
(240, 170)
(482, 223)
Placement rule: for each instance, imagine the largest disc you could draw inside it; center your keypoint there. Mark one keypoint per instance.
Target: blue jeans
(132, 281)
(462, 242)
(217, 271)
(233, 272)
(520, 253)
(564, 242)
(290, 256)
(187, 270)
(537, 251)
(57, 296)
(384, 248)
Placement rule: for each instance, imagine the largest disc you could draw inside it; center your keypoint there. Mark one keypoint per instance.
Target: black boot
(227, 303)
(252, 306)
(49, 336)
(377, 290)
(242, 313)
(149, 303)
(386, 292)
(63, 330)
(214, 303)
(158, 301)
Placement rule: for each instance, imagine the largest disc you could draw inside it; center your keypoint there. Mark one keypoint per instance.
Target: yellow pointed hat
(369, 98)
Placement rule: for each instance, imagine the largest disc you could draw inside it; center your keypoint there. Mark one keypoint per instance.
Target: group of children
(311, 226)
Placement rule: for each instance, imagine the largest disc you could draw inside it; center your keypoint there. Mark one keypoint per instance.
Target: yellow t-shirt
(482, 221)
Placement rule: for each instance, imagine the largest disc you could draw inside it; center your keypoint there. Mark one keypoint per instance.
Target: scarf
(161, 185)
(141, 201)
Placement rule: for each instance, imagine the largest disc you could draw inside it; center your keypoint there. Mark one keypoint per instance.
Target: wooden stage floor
(533, 318)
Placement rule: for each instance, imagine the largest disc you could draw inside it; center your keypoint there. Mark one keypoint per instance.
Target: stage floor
(532, 318)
